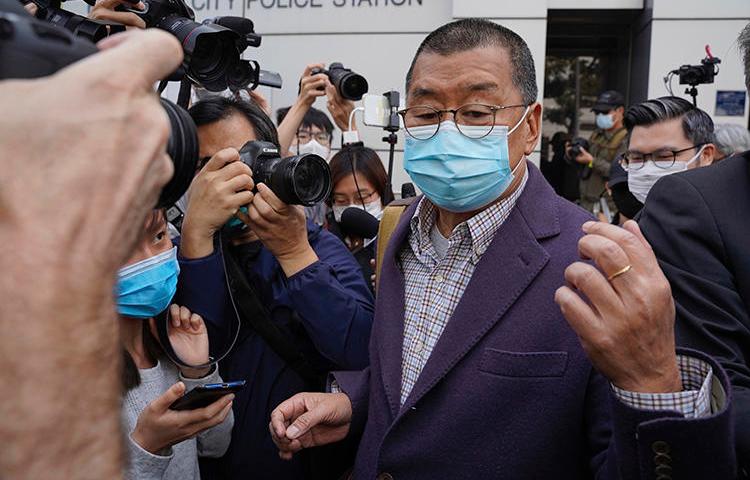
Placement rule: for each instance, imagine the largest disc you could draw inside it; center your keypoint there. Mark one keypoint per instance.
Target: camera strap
(183, 97)
(255, 315)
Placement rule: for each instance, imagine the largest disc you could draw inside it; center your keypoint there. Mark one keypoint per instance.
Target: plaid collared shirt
(433, 286)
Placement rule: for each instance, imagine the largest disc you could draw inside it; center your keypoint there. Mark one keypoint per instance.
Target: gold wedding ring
(619, 272)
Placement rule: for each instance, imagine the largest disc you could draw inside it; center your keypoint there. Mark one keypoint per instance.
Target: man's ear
(534, 127)
(620, 112)
(707, 155)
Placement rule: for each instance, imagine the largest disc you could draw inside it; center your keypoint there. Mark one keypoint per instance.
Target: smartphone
(377, 110)
(204, 395)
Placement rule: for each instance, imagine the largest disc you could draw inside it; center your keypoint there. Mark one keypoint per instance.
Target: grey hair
(744, 42)
(732, 138)
(696, 124)
(471, 33)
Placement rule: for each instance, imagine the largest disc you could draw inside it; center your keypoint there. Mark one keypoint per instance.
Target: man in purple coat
(475, 370)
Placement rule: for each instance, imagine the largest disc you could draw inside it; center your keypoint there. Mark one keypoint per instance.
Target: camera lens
(210, 50)
(301, 180)
(310, 178)
(352, 86)
(81, 26)
(182, 148)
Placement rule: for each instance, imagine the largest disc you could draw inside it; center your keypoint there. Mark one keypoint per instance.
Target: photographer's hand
(584, 158)
(340, 108)
(74, 197)
(282, 229)
(216, 193)
(311, 87)
(104, 10)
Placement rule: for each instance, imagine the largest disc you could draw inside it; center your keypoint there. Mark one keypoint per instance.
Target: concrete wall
(378, 38)
(679, 31)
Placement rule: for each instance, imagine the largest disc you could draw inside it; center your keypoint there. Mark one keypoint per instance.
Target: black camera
(699, 74)
(694, 75)
(298, 180)
(93, 30)
(350, 85)
(577, 145)
(212, 52)
(213, 49)
(30, 48)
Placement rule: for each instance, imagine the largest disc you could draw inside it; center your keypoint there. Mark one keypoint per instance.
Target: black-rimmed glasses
(632, 160)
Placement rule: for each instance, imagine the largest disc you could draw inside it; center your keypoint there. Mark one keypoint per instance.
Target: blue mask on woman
(458, 173)
(144, 289)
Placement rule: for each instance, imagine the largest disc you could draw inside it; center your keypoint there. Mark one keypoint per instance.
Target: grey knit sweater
(181, 461)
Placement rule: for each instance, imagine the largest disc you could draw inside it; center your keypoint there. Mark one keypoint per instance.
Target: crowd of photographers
(247, 343)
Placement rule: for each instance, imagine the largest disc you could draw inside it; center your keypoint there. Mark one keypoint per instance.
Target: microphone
(407, 190)
(358, 223)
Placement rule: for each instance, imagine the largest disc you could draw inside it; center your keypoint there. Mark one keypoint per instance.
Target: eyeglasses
(341, 200)
(480, 117)
(305, 136)
(664, 158)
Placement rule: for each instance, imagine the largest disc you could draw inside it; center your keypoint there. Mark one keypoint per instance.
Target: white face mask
(373, 208)
(315, 148)
(640, 181)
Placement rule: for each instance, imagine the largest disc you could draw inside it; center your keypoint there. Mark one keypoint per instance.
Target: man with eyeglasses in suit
(667, 135)
(475, 371)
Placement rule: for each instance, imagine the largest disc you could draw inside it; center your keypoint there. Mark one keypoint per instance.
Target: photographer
(295, 120)
(305, 129)
(607, 143)
(301, 278)
(359, 181)
(164, 443)
(313, 135)
(59, 264)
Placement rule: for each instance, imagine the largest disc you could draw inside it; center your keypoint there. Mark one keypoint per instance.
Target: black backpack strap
(255, 315)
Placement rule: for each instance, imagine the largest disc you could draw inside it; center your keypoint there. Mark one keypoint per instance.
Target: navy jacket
(508, 392)
(335, 311)
(697, 223)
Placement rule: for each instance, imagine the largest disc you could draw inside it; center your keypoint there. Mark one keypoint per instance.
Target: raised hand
(312, 86)
(627, 324)
(282, 228)
(340, 108)
(223, 185)
(189, 339)
(104, 10)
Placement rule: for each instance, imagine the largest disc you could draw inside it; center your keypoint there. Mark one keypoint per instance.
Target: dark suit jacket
(508, 392)
(698, 223)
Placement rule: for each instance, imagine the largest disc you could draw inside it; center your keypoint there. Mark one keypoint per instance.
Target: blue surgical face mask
(605, 121)
(458, 173)
(144, 289)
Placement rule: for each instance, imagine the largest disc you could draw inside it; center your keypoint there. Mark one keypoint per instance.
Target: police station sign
(330, 16)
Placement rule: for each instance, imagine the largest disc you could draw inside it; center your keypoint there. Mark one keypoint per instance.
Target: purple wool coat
(508, 392)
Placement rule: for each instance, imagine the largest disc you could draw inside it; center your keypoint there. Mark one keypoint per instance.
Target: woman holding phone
(162, 442)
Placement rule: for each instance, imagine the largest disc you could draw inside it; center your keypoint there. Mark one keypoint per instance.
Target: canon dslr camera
(297, 180)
